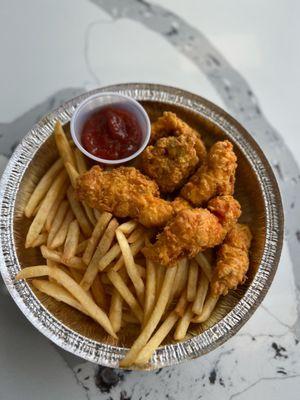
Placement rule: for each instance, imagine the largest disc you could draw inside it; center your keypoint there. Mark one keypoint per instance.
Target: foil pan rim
(171, 354)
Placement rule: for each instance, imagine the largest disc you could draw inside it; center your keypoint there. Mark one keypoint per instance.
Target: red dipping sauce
(111, 133)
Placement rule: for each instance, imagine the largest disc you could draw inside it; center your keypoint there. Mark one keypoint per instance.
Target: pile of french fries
(93, 263)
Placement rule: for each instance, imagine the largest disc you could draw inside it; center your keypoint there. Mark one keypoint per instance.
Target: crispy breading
(232, 260)
(170, 125)
(194, 230)
(170, 161)
(180, 204)
(125, 192)
(215, 177)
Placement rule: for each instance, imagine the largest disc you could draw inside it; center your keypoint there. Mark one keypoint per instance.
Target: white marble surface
(52, 50)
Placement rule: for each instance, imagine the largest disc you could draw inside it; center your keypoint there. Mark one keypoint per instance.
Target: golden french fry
(100, 227)
(160, 275)
(202, 289)
(76, 291)
(97, 214)
(79, 213)
(54, 209)
(56, 291)
(41, 239)
(192, 280)
(150, 290)
(81, 247)
(98, 293)
(181, 304)
(76, 274)
(74, 262)
(102, 248)
(183, 324)
(141, 270)
(136, 234)
(42, 187)
(204, 265)
(61, 234)
(131, 268)
(40, 218)
(112, 253)
(71, 242)
(126, 294)
(61, 213)
(147, 351)
(73, 174)
(153, 320)
(80, 161)
(89, 213)
(135, 249)
(63, 144)
(209, 305)
(115, 310)
(181, 277)
(128, 227)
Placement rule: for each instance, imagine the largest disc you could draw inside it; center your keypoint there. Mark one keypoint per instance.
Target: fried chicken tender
(215, 177)
(180, 204)
(170, 125)
(125, 192)
(232, 260)
(170, 161)
(194, 230)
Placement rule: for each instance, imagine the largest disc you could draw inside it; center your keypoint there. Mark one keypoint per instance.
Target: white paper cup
(97, 101)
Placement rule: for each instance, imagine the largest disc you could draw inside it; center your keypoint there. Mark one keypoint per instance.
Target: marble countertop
(242, 55)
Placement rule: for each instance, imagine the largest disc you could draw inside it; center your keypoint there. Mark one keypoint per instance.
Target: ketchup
(111, 133)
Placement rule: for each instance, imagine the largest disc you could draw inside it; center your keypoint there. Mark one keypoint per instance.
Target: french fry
(56, 291)
(79, 213)
(204, 265)
(209, 306)
(153, 320)
(80, 161)
(102, 248)
(71, 242)
(97, 214)
(181, 304)
(183, 324)
(136, 234)
(90, 214)
(180, 278)
(129, 319)
(160, 274)
(202, 289)
(76, 291)
(147, 351)
(131, 268)
(135, 249)
(98, 293)
(76, 274)
(41, 239)
(81, 247)
(192, 280)
(115, 310)
(54, 209)
(112, 253)
(40, 218)
(73, 174)
(126, 294)
(128, 227)
(42, 187)
(74, 262)
(100, 227)
(61, 213)
(141, 270)
(61, 234)
(150, 290)
(63, 145)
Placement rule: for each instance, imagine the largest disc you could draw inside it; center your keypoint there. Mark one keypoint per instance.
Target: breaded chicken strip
(194, 230)
(215, 177)
(180, 204)
(170, 125)
(232, 260)
(170, 161)
(125, 192)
